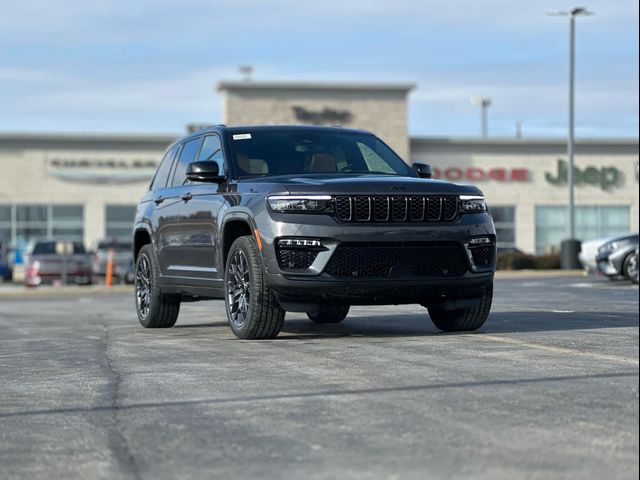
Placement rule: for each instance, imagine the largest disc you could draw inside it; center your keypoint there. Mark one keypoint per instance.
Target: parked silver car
(619, 258)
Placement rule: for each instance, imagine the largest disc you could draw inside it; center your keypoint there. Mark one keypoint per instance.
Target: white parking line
(562, 350)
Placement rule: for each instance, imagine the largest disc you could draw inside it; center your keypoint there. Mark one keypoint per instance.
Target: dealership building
(85, 186)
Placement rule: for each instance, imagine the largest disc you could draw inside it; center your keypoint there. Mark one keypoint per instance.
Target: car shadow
(201, 325)
(403, 325)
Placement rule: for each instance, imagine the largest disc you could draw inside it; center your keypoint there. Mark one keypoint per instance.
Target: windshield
(57, 248)
(301, 152)
(117, 246)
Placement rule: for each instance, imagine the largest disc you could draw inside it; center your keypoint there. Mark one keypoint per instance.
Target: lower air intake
(405, 260)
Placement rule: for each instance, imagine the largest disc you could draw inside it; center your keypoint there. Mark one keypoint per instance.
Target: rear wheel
(463, 319)
(329, 314)
(155, 310)
(252, 308)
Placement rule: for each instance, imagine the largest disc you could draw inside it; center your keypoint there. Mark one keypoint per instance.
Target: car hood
(363, 184)
(79, 258)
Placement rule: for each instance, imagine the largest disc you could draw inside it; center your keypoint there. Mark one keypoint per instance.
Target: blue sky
(151, 66)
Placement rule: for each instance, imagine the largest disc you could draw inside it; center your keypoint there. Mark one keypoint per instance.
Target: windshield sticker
(242, 136)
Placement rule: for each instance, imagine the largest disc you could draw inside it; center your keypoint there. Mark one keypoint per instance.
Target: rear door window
(160, 180)
(187, 156)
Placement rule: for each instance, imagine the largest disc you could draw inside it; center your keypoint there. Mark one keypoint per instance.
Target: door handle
(186, 196)
(158, 200)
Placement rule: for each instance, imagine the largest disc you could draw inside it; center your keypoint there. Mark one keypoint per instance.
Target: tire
(252, 309)
(329, 314)
(463, 319)
(630, 267)
(154, 309)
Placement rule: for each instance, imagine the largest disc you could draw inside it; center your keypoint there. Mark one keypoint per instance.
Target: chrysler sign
(102, 170)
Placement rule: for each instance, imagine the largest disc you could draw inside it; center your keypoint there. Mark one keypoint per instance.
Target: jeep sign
(606, 177)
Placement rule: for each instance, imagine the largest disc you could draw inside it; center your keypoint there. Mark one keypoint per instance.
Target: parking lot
(547, 389)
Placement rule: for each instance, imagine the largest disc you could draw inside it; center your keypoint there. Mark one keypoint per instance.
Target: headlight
(472, 203)
(300, 204)
(608, 247)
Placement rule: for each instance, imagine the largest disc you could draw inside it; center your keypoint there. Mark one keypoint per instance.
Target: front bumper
(313, 284)
(606, 268)
(604, 265)
(324, 289)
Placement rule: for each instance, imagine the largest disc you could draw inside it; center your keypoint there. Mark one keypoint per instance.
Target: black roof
(256, 128)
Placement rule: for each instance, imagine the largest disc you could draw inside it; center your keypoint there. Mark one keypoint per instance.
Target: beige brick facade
(381, 109)
(109, 170)
(532, 161)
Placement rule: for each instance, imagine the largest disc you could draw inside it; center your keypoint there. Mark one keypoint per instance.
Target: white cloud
(449, 66)
(16, 74)
(189, 92)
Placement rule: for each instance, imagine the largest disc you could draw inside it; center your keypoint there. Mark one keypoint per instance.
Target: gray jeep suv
(307, 219)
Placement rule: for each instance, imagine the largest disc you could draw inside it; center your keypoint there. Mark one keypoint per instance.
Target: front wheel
(252, 308)
(329, 314)
(630, 267)
(463, 319)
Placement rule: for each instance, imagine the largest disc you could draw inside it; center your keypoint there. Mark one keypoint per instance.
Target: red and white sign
(477, 174)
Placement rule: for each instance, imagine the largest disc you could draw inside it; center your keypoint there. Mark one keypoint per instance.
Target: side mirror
(424, 170)
(206, 171)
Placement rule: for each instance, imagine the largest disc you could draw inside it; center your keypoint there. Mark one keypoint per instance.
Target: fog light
(298, 253)
(299, 242)
(479, 240)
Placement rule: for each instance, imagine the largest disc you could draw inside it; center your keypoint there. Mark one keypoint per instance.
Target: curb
(540, 273)
(16, 291)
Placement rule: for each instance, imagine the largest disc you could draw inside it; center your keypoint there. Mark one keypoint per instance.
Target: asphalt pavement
(548, 388)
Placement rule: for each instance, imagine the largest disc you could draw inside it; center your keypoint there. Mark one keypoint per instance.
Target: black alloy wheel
(154, 308)
(238, 288)
(143, 286)
(252, 308)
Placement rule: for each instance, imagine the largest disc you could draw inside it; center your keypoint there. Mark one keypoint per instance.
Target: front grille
(397, 260)
(400, 208)
(362, 209)
(380, 209)
(296, 258)
(482, 255)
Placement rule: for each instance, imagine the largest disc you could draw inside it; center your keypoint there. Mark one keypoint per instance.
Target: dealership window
(5, 224)
(591, 222)
(67, 222)
(504, 218)
(120, 221)
(22, 224)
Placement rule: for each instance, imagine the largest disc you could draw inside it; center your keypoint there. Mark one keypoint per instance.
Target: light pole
(246, 71)
(484, 103)
(572, 14)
